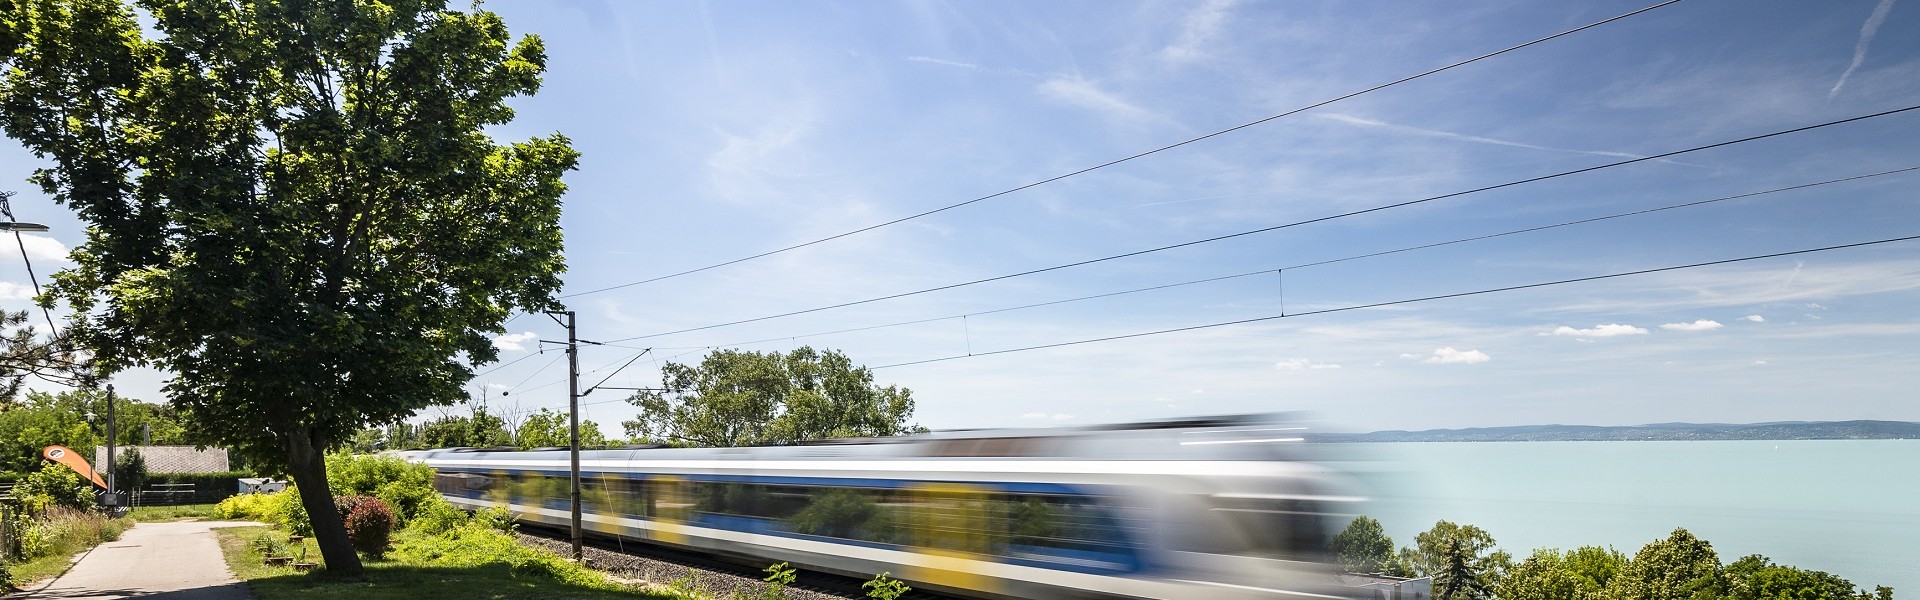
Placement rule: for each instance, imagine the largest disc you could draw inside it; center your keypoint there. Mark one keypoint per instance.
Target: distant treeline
(1465, 564)
(1830, 430)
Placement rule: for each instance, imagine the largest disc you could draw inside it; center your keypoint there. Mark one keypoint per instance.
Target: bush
(286, 512)
(404, 486)
(66, 531)
(246, 507)
(370, 525)
(476, 545)
(495, 518)
(207, 487)
(437, 516)
(54, 485)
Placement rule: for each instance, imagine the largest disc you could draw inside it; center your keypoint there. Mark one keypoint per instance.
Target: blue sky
(712, 131)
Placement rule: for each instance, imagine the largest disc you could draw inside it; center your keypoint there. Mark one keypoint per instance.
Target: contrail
(1867, 31)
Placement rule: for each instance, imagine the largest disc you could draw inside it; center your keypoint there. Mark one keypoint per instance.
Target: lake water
(1848, 507)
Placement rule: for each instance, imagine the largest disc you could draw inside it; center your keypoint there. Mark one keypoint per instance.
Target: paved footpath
(157, 561)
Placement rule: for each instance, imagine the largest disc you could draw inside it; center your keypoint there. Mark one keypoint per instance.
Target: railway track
(719, 576)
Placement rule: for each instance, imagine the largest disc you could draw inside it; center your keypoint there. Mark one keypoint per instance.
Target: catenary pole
(573, 418)
(112, 434)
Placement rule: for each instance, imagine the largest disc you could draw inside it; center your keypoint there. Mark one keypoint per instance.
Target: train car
(1205, 508)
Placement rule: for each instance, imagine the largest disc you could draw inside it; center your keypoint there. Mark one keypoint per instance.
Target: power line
(1407, 301)
(1287, 225)
(1328, 261)
(536, 373)
(509, 364)
(1134, 156)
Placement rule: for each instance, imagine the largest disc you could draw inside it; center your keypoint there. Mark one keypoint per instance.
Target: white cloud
(1759, 362)
(1301, 364)
(1197, 391)
(1040, 416)
(1816, 306)
(1700, 325)
(15, 291)
(1199, 26)
(1867, 31)
(1754, 318)
(1450, 356)
(1083, 93)
(1420, 131)
(1608, 330)
(38, 248)
(513, 342)
(942, 61)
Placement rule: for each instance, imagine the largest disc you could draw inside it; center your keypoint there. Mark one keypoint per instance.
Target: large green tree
(293, 206)
(1680, 567)
(739, 398)
(1461, 559)
(1363, 546)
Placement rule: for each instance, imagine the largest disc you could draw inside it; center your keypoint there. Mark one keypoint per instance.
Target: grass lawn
(396, 579)
(150, 514)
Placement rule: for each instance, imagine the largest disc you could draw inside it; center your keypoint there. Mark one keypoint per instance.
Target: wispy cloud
(1301, 364)
(1084, 93)
(1867, 31)
(1200, 26)
(1608, 330)
(1421, 131)
(942, 61)
(514, 342)
(1700, 325)
(1754, 318)
(1450, 356)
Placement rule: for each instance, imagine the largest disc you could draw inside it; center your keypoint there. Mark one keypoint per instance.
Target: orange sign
(62, 455)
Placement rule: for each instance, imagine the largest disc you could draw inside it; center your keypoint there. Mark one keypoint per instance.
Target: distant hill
(1794, 430)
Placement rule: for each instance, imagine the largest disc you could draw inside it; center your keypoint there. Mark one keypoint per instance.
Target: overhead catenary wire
(1404, 249)
(1352, 213)
(1406, 301)
(1131, 157)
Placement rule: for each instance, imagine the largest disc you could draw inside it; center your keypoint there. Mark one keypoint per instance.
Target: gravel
(640, 569)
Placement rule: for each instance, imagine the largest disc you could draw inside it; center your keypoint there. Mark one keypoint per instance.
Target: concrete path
(158, 561)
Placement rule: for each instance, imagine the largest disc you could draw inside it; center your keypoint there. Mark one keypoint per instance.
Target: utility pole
(573, 418)
(112, 432)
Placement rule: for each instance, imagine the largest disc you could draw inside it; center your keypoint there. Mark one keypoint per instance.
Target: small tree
(1460, 558)
(1363, 547)
(130, 471)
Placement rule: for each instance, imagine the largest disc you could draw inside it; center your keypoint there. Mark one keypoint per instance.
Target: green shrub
(495, 518)
(6, 576)
(286, 512)
(370, 526)
(885, 588)
(476, 545)
(54, 485)
(404, 486)
(246, 507)
(437, 516)
(61, 531)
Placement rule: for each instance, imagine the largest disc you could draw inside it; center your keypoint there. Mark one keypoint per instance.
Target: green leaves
(293, 205)
(736, 398)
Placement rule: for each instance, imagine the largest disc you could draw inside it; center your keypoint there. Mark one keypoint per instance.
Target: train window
(1277, 527)
(612, 493)
(1060, 526)
(987, 447)
(847, 513)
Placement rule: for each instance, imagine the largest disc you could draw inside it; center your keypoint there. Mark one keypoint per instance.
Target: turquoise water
(1849, 507)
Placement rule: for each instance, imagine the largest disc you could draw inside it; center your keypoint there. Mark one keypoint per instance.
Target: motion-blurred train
(1204, 508)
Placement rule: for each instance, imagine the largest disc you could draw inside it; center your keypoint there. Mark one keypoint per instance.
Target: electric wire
(1292, 224)
(1406, 301)
(1135, 156)
(535, 373)
(1328, 261)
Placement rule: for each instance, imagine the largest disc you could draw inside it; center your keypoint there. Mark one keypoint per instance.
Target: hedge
(207, 488)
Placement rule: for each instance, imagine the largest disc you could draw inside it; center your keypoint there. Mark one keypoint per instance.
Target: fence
(9, 539)
(170, 489)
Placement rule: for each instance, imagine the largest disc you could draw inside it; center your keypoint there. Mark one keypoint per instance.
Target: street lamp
(16, 226)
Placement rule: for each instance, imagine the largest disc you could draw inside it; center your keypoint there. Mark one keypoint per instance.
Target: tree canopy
(741, 398)
(293, 206)
(1363, 546)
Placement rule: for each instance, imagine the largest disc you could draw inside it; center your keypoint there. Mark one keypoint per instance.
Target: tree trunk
(308, 465)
